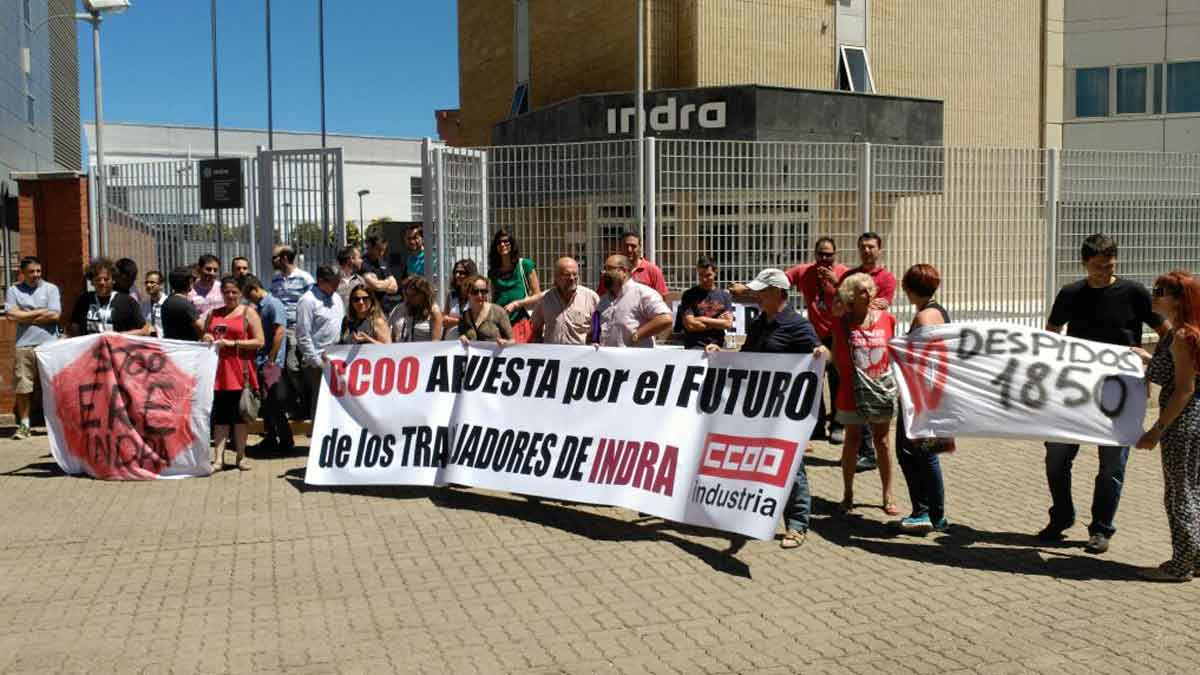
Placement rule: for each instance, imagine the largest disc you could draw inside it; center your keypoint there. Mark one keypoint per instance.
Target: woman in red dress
(236, 330)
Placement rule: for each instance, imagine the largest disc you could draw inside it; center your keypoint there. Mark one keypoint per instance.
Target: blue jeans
(799, 507)
(923, 474)
(1107, 495)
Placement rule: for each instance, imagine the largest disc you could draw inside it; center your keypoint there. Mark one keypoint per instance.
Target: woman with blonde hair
(868, 393)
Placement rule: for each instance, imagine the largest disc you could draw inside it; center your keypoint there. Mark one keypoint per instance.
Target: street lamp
(362, 225)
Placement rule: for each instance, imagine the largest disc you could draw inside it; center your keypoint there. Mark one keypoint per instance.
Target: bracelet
(1158, 426)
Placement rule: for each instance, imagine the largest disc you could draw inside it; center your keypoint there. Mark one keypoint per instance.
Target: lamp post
(362, 224)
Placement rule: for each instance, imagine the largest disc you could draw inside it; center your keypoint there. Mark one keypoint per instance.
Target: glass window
(854, 71)
(1183, 87)
(520, 100)
(1158, 88)
(1091, 92)
(1131, 90)
(30, 111)
(27, 12)
(416, 191)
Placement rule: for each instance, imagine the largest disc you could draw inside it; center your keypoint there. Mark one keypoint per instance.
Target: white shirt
(318, 324)
(622, 316)
(152, 310)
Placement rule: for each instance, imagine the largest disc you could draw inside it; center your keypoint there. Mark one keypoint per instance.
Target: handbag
(874, 397)
(933, 446)
(249, 402)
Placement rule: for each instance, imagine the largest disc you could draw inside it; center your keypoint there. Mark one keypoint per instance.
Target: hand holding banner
(997, 380)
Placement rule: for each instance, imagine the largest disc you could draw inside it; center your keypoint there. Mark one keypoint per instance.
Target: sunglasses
(360, 298)
(479, 291)
(1159, 291)
(504, 241)
(460, 273)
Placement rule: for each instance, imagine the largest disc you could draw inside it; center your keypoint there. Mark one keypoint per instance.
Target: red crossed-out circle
(925, 371)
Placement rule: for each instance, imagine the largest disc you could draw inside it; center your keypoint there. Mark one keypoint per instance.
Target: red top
(645, 273)
(885, 282)
(818, 294)
(870, 348)
(230, 362)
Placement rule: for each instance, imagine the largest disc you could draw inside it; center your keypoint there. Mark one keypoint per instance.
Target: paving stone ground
(257, 572)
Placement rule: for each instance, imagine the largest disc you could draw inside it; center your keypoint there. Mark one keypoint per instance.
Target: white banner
(997, 380)
(124, 408)
(710, 440)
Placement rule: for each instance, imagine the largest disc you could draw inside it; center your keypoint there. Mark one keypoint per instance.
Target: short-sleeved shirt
(710, 304)
(1113, 314)
(511, 286)
(118, 313)
(566, 323)
(644, 272)
(206, 299)
(494, 324)
(270, 310)
(25, 297)
(289, 289)
(382, 273)
(787, 333)
(867, 351)
(818, 294)
(617, 319)
(179, 317)
(414, 264)
(885, 281)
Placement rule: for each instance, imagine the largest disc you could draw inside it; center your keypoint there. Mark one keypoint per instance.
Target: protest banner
(128, 408)
(711, 440)
(997, 380)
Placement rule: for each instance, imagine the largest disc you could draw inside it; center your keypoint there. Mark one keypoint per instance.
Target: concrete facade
(986, 64)
(1150, 40)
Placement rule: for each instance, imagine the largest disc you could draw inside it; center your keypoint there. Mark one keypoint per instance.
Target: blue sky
(388, 64)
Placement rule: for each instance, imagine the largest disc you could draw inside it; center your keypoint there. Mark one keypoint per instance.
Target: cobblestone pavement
(256, 572)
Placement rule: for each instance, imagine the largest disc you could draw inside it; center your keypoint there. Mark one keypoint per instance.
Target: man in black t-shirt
(377, 275)
(180, 319)
(104, 310)
(1103, 308)
(705, 311)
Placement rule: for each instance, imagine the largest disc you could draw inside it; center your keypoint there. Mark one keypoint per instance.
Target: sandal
(891, 509)
(846, 506)
(792, 539)
(243, 465)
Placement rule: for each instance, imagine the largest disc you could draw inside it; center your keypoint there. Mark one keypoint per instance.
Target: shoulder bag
(249, 402)
(874, 398)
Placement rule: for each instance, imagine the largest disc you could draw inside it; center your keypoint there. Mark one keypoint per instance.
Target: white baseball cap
(770, 277)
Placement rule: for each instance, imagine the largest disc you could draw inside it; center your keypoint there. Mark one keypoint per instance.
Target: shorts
(25, 370)
(225, 407)
(848, 417)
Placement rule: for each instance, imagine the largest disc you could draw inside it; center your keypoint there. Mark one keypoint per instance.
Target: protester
(270, 362)
(364, 322)
(1176, 368)
(705, 311)
(319, 316)
(349, 264)
(34, 304)
(206, 291)
(288, 285)
(104, 310)
(418, 318)
(778, 329)
(629, 314)
(377, 275)
(239, 267)
(514, 279)
(642, 271)
(180, 320)
(124, 278)
(483, 320)
(1103, 308)
(153, 302)
(860, 350)
(414, 239)
(921, 467)
(237, 332)
(563, 315)
(458, 297)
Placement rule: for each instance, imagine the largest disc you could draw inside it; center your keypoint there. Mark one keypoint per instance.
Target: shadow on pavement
(37, 470)
(264, 453)
(295, 478)
(1012, 552)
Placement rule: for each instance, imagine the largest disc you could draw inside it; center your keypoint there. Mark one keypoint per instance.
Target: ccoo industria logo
(761, 460)
(670, 117)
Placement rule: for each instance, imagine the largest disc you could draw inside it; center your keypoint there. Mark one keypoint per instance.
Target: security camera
(98, 6)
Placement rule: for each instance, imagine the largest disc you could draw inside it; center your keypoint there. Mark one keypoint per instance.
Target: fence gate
(300, 202)
(457, 181)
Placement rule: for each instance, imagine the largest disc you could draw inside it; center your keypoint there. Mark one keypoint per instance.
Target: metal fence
(1002, 225)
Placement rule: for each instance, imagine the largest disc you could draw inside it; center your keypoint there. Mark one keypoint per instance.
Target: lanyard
(104, 314)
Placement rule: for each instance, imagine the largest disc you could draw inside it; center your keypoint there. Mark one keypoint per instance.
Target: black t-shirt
(179, 318)
(1113, 314)
(381, 272)
(788, 333)
(698, 302)
(118, 313)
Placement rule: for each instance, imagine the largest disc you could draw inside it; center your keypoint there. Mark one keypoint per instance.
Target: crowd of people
(271, 339)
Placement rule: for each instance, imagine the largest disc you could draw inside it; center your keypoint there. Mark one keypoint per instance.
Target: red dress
(231, 364)
(869, 349)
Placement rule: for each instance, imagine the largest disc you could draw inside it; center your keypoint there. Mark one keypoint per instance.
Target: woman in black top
(364, 322)
(104, 310)
(921, 468)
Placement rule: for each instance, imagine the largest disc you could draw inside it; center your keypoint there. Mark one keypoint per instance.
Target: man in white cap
(630, 314)
(779, 329)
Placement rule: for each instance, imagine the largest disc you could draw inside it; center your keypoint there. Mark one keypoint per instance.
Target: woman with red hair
(1175, 367)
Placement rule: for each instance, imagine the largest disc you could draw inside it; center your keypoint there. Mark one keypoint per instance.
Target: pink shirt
(620, 317)
(207, 302)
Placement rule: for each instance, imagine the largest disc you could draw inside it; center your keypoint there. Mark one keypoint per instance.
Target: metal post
(442, 239)
(864, 188)
(252, 213)
(321, 44)
(1052, 180)
(266, 229)
(216, 123)
(649, 243)
(639, 118)
(101, 182)
(270, 91)
(361, 228)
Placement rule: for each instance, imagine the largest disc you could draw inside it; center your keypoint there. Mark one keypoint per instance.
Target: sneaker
(836, 436)
(1097, 543)
(1053, 532)
(21, 433)
(1161, 574)
(941, 525)
(916, 524)
(865, 464)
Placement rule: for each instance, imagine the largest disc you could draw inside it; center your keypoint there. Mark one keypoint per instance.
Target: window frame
(31, 110)
(1167, 87)
(27, 13)
(844, 68)
(1115, 88)
(1106, 98)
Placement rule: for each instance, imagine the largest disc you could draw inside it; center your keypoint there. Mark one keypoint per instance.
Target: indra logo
(670, 117)
(761, 460)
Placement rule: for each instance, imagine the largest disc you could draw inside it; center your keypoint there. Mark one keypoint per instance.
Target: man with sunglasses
(630, 314)
(1104, 308)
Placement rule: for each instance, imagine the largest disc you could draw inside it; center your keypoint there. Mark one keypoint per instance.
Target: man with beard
(563, 315)
(630, 314)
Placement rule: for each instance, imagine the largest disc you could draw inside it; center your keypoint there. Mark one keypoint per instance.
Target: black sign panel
(221, 184)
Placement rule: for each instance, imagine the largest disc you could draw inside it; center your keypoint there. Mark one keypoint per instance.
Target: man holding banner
(1103, 308)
